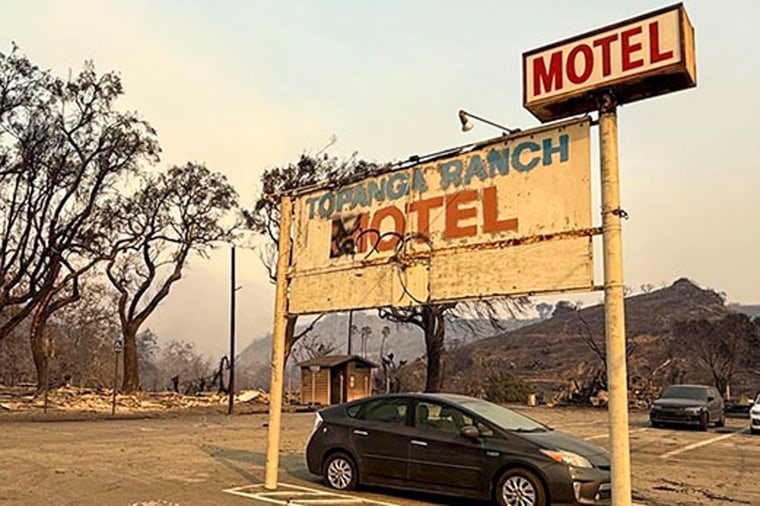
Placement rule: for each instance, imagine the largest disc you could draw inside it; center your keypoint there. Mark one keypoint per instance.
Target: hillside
(553, 351)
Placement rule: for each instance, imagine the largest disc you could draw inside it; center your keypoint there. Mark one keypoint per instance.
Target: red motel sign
(635, 59)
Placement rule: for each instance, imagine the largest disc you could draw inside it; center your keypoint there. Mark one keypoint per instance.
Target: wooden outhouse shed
(335, 379)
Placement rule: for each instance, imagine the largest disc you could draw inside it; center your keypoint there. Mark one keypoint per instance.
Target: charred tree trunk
(131, 380)
(290, 336)
(40, 356)
(40, 349)
(435, 330)
(721, 383)
(431, 320)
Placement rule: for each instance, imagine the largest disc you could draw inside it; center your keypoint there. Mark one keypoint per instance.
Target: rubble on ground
(588, 387)
(100, 400)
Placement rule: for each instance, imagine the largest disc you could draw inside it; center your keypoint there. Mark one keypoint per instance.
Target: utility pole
(233, 289)
(614, 303)
(48, 343)
(350, 329)
(278, 347)
(118, 346)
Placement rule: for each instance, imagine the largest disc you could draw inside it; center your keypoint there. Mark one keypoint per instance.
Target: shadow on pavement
(292, 464)
(240, 461)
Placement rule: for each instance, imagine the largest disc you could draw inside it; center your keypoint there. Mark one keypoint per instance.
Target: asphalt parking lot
(214, 459)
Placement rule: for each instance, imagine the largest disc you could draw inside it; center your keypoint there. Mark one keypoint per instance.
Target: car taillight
(317, 423)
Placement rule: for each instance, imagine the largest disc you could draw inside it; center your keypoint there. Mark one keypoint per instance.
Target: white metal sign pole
(614, 307)
(278, 348)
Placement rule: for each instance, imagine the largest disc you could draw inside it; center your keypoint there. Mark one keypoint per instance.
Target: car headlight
(568, 458)
(656, 408)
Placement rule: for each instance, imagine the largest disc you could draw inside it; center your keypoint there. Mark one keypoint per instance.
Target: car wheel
(520, 487)
(752, 430)
(340, 472)
(657, 425)
(721, 421)
(704, 421)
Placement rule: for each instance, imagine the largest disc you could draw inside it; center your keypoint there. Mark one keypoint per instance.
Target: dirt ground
(191, 459)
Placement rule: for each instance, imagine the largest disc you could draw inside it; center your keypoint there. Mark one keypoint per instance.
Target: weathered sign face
(474, 224)
(639, 58)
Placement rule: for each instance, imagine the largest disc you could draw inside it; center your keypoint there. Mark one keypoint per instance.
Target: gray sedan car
(698, 405)
(456, 445)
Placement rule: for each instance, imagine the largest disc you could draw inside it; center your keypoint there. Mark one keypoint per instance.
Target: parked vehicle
(455, 445)
(698, 405)
(754, 416)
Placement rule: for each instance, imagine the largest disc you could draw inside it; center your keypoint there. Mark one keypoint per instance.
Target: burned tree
(65, 151)
(596, 343)
(431, 319)
(172, 215)
(475, 317)
(718, 344)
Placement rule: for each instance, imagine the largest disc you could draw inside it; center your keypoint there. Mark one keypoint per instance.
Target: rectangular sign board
(646, 56)
(509, 215)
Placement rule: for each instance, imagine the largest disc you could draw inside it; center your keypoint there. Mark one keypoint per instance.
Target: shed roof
(336, 360)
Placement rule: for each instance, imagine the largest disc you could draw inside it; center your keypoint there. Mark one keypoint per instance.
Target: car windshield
(503, 417)
(683, 392)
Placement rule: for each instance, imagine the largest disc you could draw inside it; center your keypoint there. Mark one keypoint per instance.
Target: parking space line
(700, 444)
(297, 495)
(329, 501)
(327, 498)
(563, 426)
(607, 434)
(239, 492)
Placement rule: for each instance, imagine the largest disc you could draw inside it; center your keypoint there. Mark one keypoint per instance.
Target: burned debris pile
(69, 399)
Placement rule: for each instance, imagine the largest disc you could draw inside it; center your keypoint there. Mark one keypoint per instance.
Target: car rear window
(685, 392)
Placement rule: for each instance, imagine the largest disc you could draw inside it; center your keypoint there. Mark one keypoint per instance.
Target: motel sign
(638, 58)
(437, 230)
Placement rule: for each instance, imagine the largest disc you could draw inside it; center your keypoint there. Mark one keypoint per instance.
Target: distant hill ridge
(555, 350)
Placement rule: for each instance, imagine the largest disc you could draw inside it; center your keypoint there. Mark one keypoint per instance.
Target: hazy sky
(247, 85)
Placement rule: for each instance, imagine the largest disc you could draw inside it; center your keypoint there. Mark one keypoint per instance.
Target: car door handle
(361, 432)
(417, 442)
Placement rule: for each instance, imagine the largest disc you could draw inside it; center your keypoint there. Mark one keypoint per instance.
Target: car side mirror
(470, 432)
(710, 398)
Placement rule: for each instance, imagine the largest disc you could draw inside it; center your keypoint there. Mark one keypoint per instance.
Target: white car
(754, 416)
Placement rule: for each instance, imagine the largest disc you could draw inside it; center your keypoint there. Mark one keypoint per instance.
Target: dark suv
(698, 405)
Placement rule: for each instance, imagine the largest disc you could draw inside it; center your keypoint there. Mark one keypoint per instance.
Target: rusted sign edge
(421, 257)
